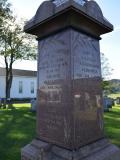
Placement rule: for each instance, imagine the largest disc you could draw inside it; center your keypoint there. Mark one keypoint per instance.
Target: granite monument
(69, 95)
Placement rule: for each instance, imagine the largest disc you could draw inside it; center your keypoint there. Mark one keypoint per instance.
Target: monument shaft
(69, 89)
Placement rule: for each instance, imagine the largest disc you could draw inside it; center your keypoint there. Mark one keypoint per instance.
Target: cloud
(117, 28)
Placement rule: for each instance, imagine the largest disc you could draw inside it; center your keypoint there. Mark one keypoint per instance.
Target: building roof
(18, 72)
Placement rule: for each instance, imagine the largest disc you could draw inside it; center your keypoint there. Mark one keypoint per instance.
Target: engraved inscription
(53, 67)
(54, 88)
(86, 56)
(86, 88)
(51, 119)
(53, 92)
(69, 90)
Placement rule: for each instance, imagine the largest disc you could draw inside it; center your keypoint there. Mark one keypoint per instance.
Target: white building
(24, 84)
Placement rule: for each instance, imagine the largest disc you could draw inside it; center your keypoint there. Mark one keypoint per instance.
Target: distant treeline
(112, 86)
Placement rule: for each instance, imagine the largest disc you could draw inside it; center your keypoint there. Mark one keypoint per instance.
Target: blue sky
(110, 43)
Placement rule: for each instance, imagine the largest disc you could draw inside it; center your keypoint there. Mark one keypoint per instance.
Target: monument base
(100, 150)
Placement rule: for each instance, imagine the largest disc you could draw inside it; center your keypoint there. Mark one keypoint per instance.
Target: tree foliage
(106, 73)
(105, 67)
(5, 11)
(14, 43)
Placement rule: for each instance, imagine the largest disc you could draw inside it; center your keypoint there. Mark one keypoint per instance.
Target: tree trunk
(9, 78)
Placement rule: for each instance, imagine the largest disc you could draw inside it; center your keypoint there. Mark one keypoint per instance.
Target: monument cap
(54, 15)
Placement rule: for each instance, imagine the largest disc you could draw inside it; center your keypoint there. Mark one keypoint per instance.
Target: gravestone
(33, 105)
(107, 103)
(69, 95)
(118, 100)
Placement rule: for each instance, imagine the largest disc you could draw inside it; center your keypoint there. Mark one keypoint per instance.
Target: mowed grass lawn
(17, 128)
(112, 125)
(114, 95)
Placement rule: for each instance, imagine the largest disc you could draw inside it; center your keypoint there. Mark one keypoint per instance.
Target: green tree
(106, 73)
(105, 67)
(106, 86)
(5, 11)
(14, 45)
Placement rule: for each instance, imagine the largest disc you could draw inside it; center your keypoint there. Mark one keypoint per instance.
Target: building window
(20, 87)
(32, 87)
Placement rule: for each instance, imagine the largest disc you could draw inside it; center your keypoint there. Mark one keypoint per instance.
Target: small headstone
(107, 103)
(118, 100)
(33, 105)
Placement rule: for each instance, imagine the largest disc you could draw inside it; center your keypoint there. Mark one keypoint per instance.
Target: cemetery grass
(114, 95)
(17, 128)
(112, 125)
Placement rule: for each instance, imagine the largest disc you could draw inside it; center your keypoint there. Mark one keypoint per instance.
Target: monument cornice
(69, 17)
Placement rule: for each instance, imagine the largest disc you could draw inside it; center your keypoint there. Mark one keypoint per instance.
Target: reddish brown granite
(69, 90)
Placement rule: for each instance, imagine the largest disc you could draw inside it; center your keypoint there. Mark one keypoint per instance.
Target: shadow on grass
(17, 128)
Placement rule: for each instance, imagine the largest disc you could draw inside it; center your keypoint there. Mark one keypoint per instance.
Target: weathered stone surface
(109, 153)
(54, 119)
(45, 11)
(100, 150)
(69, 90)
(94, 11)
(35, 151)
